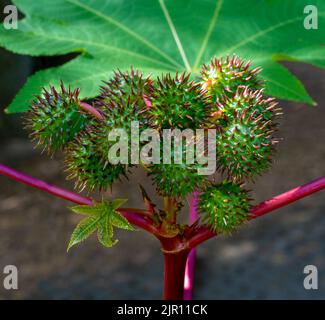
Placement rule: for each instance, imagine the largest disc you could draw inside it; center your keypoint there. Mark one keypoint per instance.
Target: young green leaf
(83, 230)
(117, 220)
(162, 36)
(102, 216)
(118, 202)
(86, 210)
(105, 233)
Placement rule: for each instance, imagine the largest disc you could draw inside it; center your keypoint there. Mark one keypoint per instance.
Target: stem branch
(170, 209)
(265, 207)
(136, 217)
(44, 186)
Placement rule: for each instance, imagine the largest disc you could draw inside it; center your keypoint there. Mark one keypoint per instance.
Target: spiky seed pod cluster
(222, 77)
(127, 90)
(87, 165)
(244, 118)
(55, 118)
(177, 102)
(246, 143)
(224, 206)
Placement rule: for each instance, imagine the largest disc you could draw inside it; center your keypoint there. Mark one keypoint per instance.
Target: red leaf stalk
(267, 206)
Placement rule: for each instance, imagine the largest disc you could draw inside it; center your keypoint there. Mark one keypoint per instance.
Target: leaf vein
(175, 34)
(123, 28)
(208, 33)
(263, 32)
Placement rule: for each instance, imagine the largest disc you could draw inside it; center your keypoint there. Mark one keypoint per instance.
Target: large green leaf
(164, 36)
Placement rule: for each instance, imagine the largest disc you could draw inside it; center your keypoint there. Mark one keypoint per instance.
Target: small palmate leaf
(101, 216)
(163, 36)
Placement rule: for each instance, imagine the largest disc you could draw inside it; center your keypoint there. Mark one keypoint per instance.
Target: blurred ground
(263, 260)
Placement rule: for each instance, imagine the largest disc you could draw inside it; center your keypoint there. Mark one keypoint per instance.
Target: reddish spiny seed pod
(244, 102)
(246, 141)
(223, 76)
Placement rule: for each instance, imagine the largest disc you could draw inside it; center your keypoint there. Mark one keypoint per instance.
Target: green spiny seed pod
(245, 146)
(55, 118)
(224, 206)
(244, 102)
(177, 103)
(120, 112)
(222, 77)
(245, 143)
(129, 86)
(175, 180)
(86, 163)
(179, 177)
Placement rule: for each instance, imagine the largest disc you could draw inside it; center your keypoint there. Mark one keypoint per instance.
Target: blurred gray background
(263, 260)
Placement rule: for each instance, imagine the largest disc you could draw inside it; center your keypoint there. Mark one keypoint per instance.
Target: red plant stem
(133, 217)
(190, 264)
(175, 252)
(91, 110)
(140, 221)
(288, 197)
(204, 233)
(174, 270)
(44, 186)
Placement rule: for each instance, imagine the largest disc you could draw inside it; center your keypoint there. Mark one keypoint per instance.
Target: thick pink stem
(288, 197)
(190, 264)
(174, 269)
(265, 207)
(133, 217)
